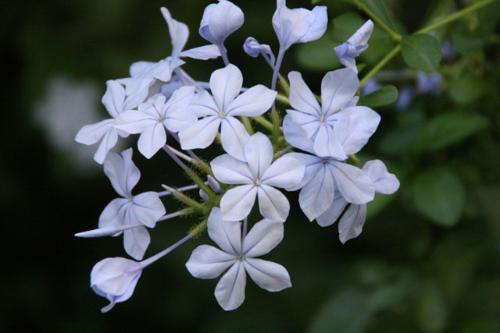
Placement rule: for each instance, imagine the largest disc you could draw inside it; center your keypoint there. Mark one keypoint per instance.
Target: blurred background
(427, 261)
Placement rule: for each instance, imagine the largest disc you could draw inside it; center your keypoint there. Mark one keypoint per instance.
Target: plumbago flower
(257, 177)
(309, 152)
(238, 256)
(155, 116)
(221, 108)
(134, 211)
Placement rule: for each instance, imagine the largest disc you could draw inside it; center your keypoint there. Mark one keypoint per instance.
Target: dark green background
(409, 271)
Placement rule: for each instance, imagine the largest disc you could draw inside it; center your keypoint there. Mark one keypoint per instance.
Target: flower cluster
(273, 142)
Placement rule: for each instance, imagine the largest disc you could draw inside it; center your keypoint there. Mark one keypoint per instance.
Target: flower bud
(115, 279)
(220, 20)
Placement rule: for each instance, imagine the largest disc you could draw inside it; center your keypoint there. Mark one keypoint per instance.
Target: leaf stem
(380, 65)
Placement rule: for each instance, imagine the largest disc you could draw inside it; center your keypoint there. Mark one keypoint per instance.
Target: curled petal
(220, 20)
(253, 48)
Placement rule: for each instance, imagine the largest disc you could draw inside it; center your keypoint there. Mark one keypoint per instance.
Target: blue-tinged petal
(230, 170)
(146, 209)
(202, 53)
(264, 236)
(327, 144)
(220, 20)
(273, 204)
(317, 195)
(152, 139)
(268, 275)
(384, 181)
(253, 48)
(296, 136)
(331, 215)
(286, 172)
(308, 122)
(237, 203)
(253, 102)
(225, 85)
(301, 97)
(201, 134)
(179, 32)
(208, 262)
(354, 184)
(337, 89)
(359, 124)
(234, 136)
(122, 172)
(352, 222)
(136, 242)
(258, 154)
(225, 233)
(230, 290)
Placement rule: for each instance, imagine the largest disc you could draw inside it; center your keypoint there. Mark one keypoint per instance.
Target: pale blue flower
(253, 48)
(405, 97)
(115, 279)
(353, 218)
(155, 117)
(429, 82)
(257, 176)
(129, 210)
(220, 109)
(338, 127)
(371, 86)
(237, 257)
(354, 46)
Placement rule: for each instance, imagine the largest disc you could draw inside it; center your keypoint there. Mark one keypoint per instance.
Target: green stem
(198, 229)
(247, 124)
(185, 199)
(283, 99)
(201, 184)
(380, 65)
(264, 122)
(284, 84)
(454, 16)
(394, 35)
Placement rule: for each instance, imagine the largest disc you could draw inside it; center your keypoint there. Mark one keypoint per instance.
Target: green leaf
(432, 312)
(384, 96)
(440, 196)
(466, 89)
(347, 312)
(421, 52)
(449, 128)
(318, 55)
(377, 7)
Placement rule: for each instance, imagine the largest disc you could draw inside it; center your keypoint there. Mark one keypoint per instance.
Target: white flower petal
(327, 144)
(286, 172)
(225, 233)
(113, 214)
(234, 136)
(309, 123)
(134, 122)
(352, 222)
(122, 172)
(225, 85)
(177, 114)
(201, 134)
(202, 53)
(337, 89)
(114, 98)
(258, 154)
(318, 22)
(354, 185)
(301, 97)
(136, 242)
(237, 203)
(253, 102)
(384, 181)
(179, 32)
(107, 143)
(262, 238)
(273, 204)
(220, 20)
(312, 164)
(91, 134)
(268, 275)
(208, 262)
(296, 136)
(152, 139)
(147, 209)
(317, 195)
(203, 104)
(229, 170)
(230, 291)
(362, 122)
(331, 215)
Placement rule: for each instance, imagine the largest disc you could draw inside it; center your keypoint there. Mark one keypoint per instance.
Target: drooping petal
(262, 238)
(179, 32)
(208, 262)
(177, 115)
(152, 139)
(352, 222)
(253, 102)
(268, 275)
(113, 214)
(230, 291)
(147, 209)
(107, 143)
(225, 85)
(273, 204)
(202, 53)
(331, 215)
(258, 154)
(136, 242)
(384, 181)
(225, 233)
(301, 97)
(296, 136)
(317, 195)
(337, 89)
(114, 98)
(286, 172)
(220, 20)
(354, 185)
(201, 134)
(360, 122)
(229, 170)
(237, 203)
(234, 136)
(122, 172)
(327, 143)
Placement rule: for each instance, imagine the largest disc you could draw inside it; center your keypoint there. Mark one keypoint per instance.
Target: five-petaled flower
(221, 108)
(238, 255)
(145, 208)
(257, 177)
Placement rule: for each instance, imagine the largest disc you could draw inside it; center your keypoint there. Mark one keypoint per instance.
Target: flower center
(221, 114)
(322, 119)
(257, 182)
